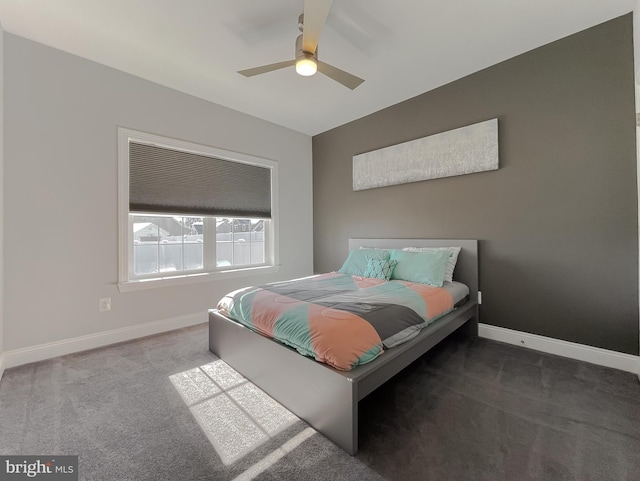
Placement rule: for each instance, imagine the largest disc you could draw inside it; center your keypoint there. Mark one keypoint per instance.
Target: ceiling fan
(306, 60)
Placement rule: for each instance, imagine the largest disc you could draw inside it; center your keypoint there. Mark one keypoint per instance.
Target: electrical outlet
(104, 304)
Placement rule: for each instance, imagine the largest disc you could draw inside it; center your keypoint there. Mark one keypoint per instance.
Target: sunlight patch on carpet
(234, 414)
(268, 461)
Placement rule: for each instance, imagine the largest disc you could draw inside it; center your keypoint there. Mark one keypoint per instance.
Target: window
(189, 212)
(165, 244)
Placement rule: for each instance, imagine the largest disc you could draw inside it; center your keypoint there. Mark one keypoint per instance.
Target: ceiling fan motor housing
(301, 53)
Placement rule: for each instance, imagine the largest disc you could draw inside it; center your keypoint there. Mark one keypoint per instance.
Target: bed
(325, 397)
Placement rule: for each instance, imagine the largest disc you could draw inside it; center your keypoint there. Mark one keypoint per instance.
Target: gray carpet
(483, 410)
(162, 408)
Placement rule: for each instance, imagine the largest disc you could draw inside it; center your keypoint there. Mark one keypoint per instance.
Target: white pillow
(451, 264)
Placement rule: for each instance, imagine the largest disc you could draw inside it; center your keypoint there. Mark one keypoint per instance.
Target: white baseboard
(41, 352)
(581, 352)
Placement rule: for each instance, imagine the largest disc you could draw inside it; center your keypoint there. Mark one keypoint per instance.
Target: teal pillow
(379, 269)
(357, 261)
(427, 267)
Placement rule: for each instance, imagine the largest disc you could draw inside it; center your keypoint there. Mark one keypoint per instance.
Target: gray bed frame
(325, 397)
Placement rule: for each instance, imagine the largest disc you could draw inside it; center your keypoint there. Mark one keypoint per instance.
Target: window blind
(164, 180)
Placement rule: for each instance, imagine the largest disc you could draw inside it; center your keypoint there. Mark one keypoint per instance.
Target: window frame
(125, 236)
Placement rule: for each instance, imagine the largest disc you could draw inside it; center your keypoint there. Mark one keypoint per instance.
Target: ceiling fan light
(306, 66)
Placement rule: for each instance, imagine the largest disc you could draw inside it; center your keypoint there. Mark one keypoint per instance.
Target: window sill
(170, 281)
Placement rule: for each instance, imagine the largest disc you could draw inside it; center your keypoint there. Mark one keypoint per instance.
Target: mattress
(339, 319)
(459, 292)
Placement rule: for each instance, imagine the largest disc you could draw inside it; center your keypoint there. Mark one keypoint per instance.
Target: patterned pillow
(379, 269)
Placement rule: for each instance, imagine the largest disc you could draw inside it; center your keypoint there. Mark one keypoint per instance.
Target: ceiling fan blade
(250, 72)
(340, 76)
(315, 16)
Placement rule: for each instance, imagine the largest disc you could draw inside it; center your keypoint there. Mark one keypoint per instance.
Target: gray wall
(60, 224)
(557, 222)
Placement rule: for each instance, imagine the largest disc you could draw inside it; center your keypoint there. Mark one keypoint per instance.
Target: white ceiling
(401, 48)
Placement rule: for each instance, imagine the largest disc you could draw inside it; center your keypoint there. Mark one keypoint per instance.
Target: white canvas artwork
(466, 150)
